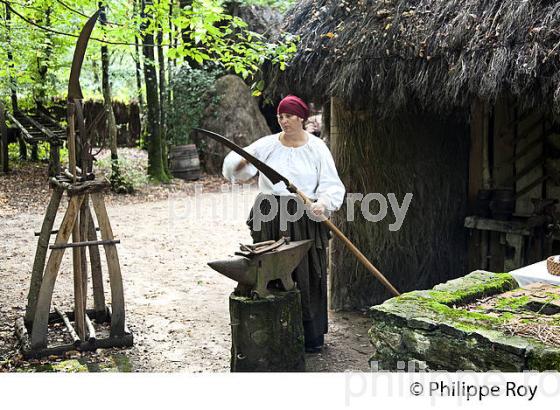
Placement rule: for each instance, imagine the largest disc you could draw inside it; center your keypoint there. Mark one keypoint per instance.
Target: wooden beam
(477, 125)
(90, 330)
(494, 225)
(41, 319)
(25, 134)
(79, 305)
(113, 266)
(75, 338)
(49, 134)
(85, 243)
(96, 273)
(41, 255)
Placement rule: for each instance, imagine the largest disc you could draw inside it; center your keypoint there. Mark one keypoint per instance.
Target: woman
(307, 162)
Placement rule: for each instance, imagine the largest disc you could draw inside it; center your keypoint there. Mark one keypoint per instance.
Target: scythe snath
(275, 178)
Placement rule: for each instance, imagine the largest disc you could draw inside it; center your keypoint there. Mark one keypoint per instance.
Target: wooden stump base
(93, 343)
(267, 334)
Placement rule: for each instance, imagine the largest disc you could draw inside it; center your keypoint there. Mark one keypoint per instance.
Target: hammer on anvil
(255, 267)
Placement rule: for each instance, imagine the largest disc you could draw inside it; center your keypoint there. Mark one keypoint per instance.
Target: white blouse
(309, 167)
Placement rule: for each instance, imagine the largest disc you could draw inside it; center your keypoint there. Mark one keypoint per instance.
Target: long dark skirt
(311, 274)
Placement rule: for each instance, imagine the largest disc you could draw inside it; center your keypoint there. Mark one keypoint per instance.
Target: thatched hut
(443, 99)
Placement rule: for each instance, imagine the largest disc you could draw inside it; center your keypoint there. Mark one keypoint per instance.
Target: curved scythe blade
(74, 89)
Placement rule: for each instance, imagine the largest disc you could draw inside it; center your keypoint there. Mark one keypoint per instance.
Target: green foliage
(189, 89)
(204, 31)
(281, 5)
(42, 151)
(132, 172)
(13, 152)
(41, 35)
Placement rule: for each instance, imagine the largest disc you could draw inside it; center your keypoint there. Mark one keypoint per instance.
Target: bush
(42, 152)
(189, 89)
(133, 172)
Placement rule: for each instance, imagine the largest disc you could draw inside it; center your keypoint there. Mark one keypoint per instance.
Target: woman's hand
(242, 164)
(318, 209)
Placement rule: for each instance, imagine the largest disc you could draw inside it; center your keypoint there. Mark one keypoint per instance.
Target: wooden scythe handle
(369, 266)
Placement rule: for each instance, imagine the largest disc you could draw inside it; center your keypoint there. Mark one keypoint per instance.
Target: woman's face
(290, 123)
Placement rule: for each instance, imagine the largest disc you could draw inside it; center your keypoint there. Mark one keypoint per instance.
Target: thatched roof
(438, 54)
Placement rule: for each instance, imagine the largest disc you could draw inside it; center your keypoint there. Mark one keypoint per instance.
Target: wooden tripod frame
(78, 218)
(78, 221)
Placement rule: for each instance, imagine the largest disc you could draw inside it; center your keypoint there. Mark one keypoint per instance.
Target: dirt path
(177, 307)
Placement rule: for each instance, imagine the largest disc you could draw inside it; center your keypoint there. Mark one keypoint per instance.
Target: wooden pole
(41, 254)
(41, 319)
(96, 272)
(113, 267)
(79, 308)
(361, 257)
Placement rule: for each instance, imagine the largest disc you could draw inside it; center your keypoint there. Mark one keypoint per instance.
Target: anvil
(257, 266)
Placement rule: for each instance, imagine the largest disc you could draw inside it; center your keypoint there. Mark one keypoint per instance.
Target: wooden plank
(503, 144)
(503, 170)
(54, 159)
(517, 242)
(494, 225)
(79, 308)
(83, 258)
(23, 336)
(48, 133)
(475, 180)
(71, 109)
(41, 319)
(496, 252)
(41, 254)
(89, 187)
(83, 244)
(113, 266)
(96, 273)
(525, 186)
(69, 327)
(25, 133)
(90, 330)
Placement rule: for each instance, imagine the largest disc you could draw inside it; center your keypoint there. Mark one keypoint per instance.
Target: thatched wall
(424, 155)
(434, 54)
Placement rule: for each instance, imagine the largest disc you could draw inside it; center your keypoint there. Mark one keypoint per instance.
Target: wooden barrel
(184, 162)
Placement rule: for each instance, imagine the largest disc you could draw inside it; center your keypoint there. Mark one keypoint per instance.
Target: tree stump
(267, 334)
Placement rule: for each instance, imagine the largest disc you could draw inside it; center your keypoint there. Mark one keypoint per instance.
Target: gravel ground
(177, 307)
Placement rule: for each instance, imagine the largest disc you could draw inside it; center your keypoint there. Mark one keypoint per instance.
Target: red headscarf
(293, 105)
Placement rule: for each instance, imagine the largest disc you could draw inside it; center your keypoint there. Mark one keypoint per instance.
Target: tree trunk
(162, 100)
(267, 334)
(12, 81)
(116, 179)
(155, 163)
(185, 34)
(42, 63)
(4, 140)
(170, 62)
(138, 64)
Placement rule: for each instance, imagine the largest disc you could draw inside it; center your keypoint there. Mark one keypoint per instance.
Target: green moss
(513, 303)
(472, 287)
(69, 366)
(541, 359)
(440, 304)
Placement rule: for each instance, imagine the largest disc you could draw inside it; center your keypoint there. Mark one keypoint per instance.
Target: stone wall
(439, 329)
